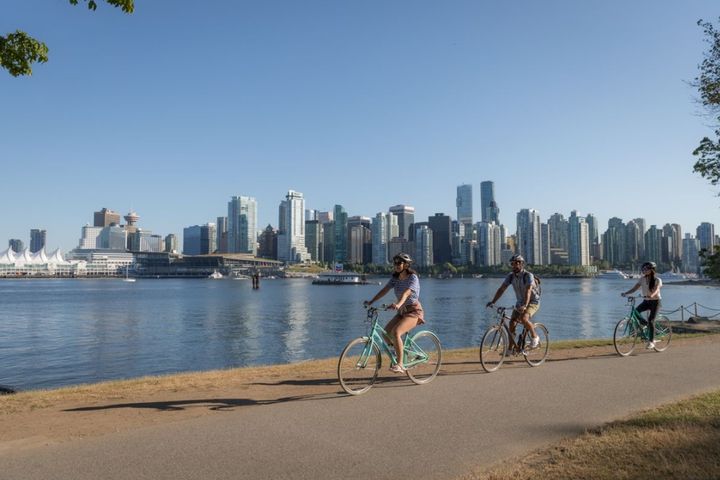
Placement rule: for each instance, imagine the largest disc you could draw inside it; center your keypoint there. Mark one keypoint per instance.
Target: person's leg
(389, 328)
(404, 325)
(654, 307)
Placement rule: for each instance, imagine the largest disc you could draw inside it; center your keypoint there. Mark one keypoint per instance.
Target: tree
(711, 263)
(708, 85)
(18, 50)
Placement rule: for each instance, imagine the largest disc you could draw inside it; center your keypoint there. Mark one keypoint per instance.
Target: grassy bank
(677, 441)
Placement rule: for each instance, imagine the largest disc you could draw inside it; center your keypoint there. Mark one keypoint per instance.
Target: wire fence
(693, 310)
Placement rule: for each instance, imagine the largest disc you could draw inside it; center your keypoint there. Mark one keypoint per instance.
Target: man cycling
(528, 300)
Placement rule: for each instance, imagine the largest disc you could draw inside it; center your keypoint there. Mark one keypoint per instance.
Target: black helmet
(648, 266)
(402, 257)
(517, 258)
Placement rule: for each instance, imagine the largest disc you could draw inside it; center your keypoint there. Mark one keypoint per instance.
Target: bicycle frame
(377, 334)
(637, 321)
(518, 346)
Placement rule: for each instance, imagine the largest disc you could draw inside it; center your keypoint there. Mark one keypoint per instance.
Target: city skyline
(563, 105)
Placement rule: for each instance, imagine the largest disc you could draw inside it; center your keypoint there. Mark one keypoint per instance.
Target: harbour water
(68, 331)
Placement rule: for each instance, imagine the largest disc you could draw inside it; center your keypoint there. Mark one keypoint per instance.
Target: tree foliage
(19, 51)
(708, 84)
(711, 263)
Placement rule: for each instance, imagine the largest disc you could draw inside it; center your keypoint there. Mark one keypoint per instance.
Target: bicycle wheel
(492, 348)
(358, 367)
(625, 337)
(536, 356)
(424, 346)
(663, 333)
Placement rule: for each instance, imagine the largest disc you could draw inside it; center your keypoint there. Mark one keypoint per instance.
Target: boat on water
(670, 276)
(613, 274)
(341, 278)
(215, 275)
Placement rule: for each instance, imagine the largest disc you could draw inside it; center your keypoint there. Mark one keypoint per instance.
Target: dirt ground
(33, 419)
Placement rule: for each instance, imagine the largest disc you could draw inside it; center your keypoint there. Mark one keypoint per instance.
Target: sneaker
(535, 343)
(397, 368)
(650, 345)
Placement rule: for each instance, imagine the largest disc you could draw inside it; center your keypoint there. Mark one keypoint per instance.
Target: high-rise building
(222, 235)
(268, 243)
(545, 243)
(313, 239)
(464, 204)
(113, 237)
(615, 242)
(690, 254)
(423, 240)
(105, 218)
(706, 236)
(89, 237)
(360, 243)
(489, 244)
(653, 245)
(291, 242)
(642, 225)
(488, 207)
(440, 225)
(341, 240)
(171, 243)
(406, 217)
(145, 241)
(16, 245)
(328, 241)
(242, 221)
(634, 239)
(199, 239)
(578, 240)
(529, 239)
(672, 233)
(558, 229)
(380, 238)
(37, 240)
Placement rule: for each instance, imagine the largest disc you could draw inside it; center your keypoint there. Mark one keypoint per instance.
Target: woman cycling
(405, 283)
(650, 284)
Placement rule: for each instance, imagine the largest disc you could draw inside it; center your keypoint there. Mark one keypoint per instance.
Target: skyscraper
(242, 225)
(291, 242)
(341, 239)
(37, 240)
(406, 217)
(488, 207)
(464, 204)
(706, 236)
(423, 240)
(105, 218)
(16, 245)
(440, 226)
(528, 236)
(578, 240)
(199, 239)
(380, 238)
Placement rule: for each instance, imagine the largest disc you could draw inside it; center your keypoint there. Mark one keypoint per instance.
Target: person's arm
(637, 285)
(380, 294)
(656, 291)
(401, 301)
(528, 296)
(498, 294)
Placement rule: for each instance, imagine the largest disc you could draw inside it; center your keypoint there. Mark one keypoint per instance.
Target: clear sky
(565, 105)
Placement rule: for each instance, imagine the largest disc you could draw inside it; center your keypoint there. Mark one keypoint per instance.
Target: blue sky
(565, 105)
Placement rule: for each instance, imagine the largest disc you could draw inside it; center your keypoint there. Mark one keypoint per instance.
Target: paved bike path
(397, 430)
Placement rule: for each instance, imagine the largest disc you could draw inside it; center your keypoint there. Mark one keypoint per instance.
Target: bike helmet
(402, 257)
(648, 266)
(517, 258)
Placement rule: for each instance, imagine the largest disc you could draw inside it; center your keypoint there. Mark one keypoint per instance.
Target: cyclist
(650, 284)
(527, 298)
(406, 285)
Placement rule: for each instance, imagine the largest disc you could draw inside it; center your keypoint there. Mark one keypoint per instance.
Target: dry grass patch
(678, 441)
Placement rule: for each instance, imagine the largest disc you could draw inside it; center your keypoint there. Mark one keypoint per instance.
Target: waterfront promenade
(279, 426)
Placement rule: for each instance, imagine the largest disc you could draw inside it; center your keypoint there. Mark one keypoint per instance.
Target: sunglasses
(398, 262)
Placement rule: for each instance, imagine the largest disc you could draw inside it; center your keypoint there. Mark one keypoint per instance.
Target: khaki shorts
(531, 310)
(415, 310)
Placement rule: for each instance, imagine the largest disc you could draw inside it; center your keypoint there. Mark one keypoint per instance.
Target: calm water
(63, 332)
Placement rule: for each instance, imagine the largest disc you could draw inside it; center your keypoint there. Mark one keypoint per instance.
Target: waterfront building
(16, 245)
(642, 225)
(37, 239)
(360, 243)
(341, 240)
(690, 254)
(89, 237)
(199, 239)
(222, 235)
(113, 237)
(423, 240)
(313, 239)
(291, 240)
(489, 244)
(311, 214)
(405, 217)
(545, 244)
(489, 210)
(672, 243)
(398, 245)
(559, 229)
(39, 264)
(615, 242)
(529, 240)
(242, 221)
(705, 233)
(653, 245)
(463, 202)
(324, 217)
(105, 218)
(593, 238)
(328, 246)
(380, 238)
(144, 241)
(441, 229)
(268, 243)
(578, 240)
(171, 243)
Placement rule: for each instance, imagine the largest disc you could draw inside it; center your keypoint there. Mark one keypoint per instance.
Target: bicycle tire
(429, 344)
(355, 373)
(663, 333)
(493, 347)
(537, 356)
(625, 337)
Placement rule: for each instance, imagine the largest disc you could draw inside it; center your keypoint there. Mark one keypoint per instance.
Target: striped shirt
(399, 286)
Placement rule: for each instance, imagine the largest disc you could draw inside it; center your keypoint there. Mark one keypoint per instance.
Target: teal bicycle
(361, 360)
(633, 329)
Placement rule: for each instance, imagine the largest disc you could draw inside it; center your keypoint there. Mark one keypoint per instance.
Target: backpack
(537, 289)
